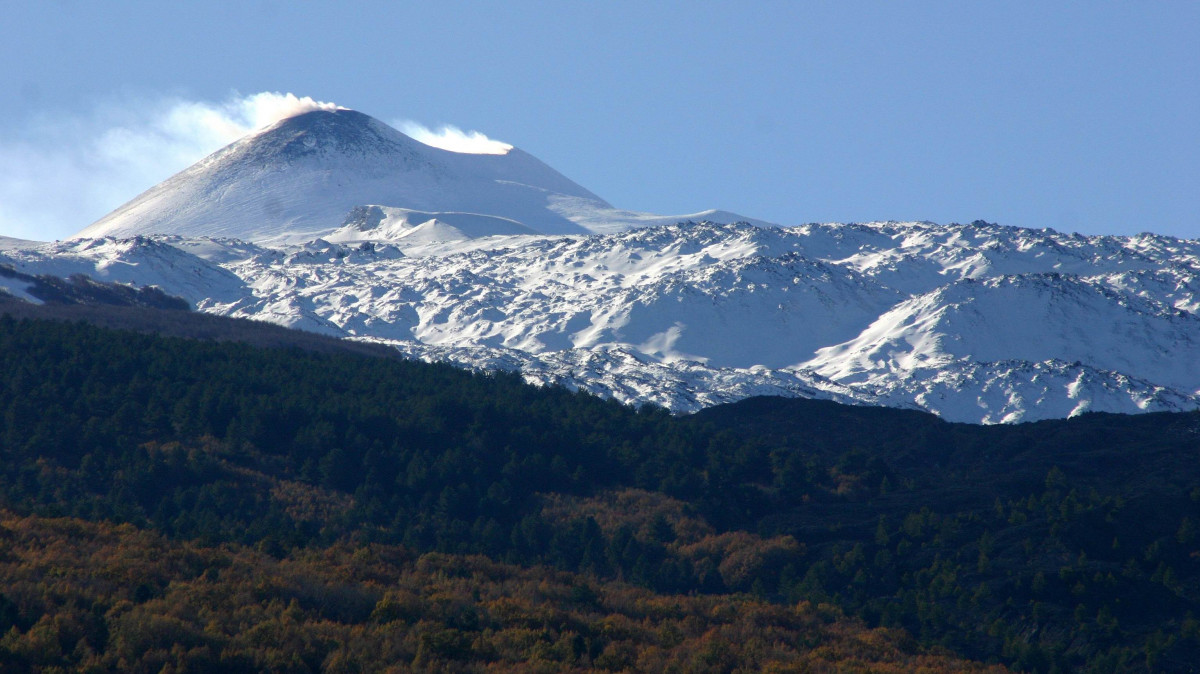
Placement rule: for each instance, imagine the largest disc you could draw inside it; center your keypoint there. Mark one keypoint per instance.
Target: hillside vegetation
(114, 598)
(294, 511)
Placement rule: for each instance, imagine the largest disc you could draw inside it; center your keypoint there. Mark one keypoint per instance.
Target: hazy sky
(1081, 116)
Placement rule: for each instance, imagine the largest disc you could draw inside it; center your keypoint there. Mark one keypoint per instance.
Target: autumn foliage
(101, 597)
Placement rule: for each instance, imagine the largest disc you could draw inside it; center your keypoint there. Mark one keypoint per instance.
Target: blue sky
(1081, 116)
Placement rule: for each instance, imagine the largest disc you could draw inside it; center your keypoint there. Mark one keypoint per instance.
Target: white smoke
(266, 108)
(62, 173)
(452, 138)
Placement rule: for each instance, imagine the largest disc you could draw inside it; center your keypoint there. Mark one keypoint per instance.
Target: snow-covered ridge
(975, 322)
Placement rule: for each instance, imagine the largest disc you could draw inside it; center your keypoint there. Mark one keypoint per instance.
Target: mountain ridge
(977, 322)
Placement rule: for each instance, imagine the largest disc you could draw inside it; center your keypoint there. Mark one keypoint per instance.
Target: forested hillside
(326, 497)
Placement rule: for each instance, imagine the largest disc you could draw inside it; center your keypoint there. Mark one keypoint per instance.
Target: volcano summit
(301, 177)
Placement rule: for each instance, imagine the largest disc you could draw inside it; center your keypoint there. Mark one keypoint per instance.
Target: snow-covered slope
(10, 243)
(1032, 317)
(386, 223)
(304, 177)
(976, 322)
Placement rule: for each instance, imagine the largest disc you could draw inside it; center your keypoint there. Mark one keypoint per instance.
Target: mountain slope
(1030, 317)
(976, 322)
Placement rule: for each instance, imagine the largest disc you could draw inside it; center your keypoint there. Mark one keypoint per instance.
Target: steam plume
(452, 138)
(63, 172)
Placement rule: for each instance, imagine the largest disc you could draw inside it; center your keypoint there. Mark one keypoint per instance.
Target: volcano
(302, 176)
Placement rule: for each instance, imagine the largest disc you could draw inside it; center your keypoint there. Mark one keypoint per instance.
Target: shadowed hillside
(1049, 546)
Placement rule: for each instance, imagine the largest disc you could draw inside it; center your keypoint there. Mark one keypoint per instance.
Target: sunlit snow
(688, 315)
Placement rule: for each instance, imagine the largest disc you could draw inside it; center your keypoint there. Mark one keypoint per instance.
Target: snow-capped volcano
(303, 176)
(331, 221)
